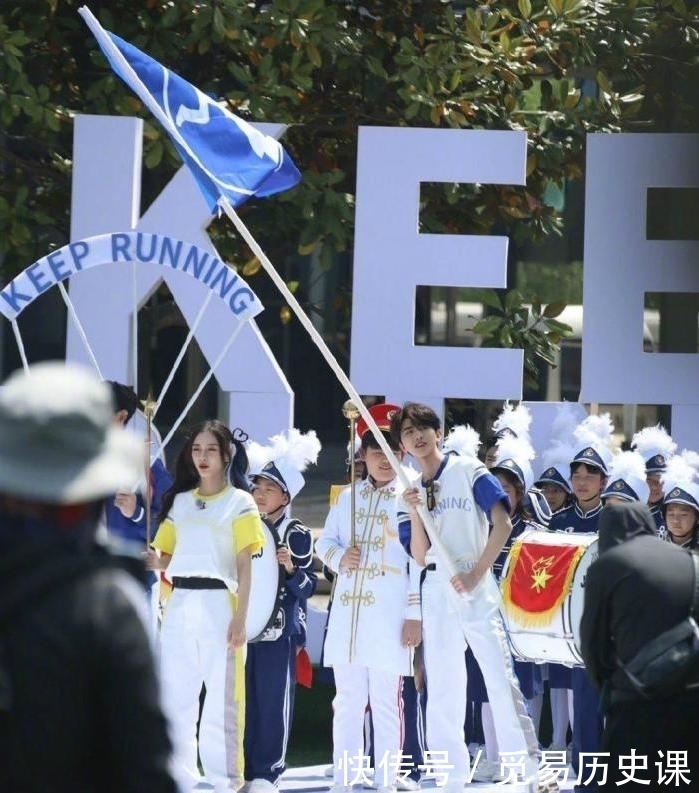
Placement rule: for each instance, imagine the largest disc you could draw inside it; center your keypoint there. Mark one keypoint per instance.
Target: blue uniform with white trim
(656, 510)
(270, 667)
(133, 529)
(587, 723)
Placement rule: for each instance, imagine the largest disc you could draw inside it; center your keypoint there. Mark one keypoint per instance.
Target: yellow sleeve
(335, 491)
(166, 537)
(248, 532)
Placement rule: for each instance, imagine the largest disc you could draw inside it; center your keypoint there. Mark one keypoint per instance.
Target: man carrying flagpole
(462, 494)
(231, 161)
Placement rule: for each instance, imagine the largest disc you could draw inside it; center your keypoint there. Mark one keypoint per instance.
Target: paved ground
(312, 778)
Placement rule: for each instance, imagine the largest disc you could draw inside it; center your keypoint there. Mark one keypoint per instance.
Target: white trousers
(355, 686)
(193, 652)
(447, 631)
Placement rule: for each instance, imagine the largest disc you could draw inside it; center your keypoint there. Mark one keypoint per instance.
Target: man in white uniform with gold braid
(373, 624)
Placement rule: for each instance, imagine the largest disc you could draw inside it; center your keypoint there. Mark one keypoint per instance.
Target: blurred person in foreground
(638, 588)
(79, 701)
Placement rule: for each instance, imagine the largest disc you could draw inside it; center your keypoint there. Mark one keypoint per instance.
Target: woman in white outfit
(208, 532)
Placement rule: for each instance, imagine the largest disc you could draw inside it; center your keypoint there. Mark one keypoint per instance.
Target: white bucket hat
(58, 442)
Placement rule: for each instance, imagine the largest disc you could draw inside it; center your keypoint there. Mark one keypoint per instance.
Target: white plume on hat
(596, 432)
(519, 451)
(681, 468)
(282, 461)
(564, 424)
(652, 441)
(516, 420)
(627, 477)
(462, 439)
(562, 448)
(558, 456)
(679, 479)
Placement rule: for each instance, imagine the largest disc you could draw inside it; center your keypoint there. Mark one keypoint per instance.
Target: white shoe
(548, 786)
(485, 771)
(407, 783)
(262, 786)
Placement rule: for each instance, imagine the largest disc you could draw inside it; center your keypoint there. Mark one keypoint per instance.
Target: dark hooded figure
(638, 588)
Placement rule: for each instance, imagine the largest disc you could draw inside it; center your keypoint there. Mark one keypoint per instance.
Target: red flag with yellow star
(538, 579)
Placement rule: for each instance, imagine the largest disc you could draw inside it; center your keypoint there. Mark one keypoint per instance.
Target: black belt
(423, 573)
(196, 582)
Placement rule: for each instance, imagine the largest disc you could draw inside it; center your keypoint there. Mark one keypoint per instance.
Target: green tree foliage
(555, 69)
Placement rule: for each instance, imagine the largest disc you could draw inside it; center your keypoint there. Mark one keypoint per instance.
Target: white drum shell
(559, 640)
(265, 588)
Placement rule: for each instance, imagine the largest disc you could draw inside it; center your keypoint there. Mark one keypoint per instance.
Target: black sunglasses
(429, 493)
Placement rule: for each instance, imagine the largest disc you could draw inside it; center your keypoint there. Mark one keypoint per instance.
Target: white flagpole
(134, 328)
(341, 376)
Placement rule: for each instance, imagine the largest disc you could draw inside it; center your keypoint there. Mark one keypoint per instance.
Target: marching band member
(681, 502)
(626, 480)
(554, 479)
(656, 447)
(460, 493)
(270, 667)
(589, 468)
(554, 483)
(208, 533)
(374, 621)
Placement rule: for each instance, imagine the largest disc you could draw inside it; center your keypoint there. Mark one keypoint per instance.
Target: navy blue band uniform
(270, 669)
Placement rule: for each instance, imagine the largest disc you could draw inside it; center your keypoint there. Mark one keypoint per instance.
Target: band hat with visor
(382, 414)
(556, 461)
(555, 476)
(289, 479)
(556, 457)
(513, 449)
(656, 447)
(594, 438)
(685, 493)
(679, 480)
(283, 460)
(58, 440)
(627, 478)
(514, 454)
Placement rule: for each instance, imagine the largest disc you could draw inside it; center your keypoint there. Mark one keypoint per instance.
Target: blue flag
(227, 156)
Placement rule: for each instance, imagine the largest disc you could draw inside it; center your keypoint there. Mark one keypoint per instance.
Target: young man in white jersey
(462, 609)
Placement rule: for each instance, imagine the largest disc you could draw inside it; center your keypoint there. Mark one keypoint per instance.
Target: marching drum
(543, 591)
(266, 582)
